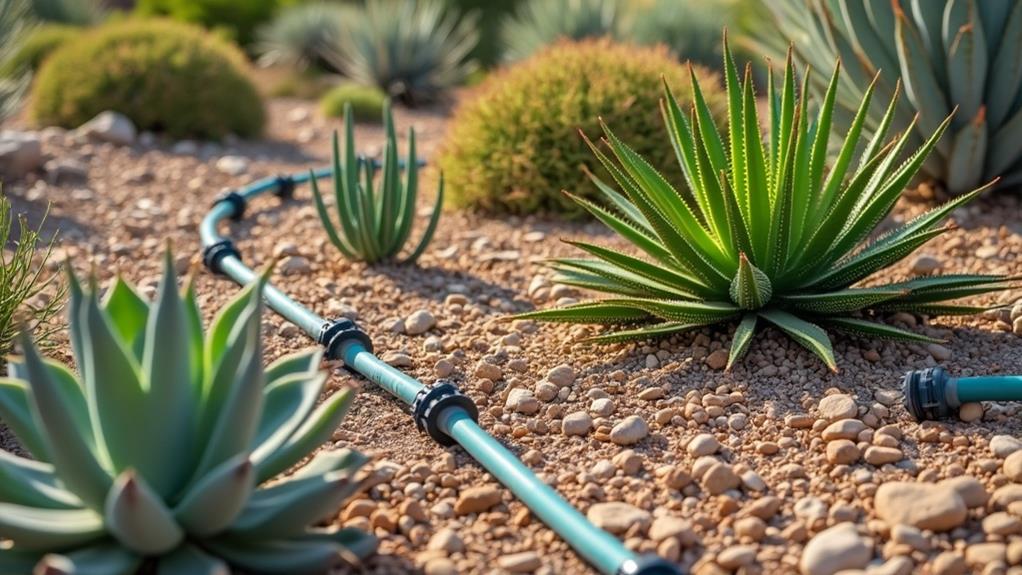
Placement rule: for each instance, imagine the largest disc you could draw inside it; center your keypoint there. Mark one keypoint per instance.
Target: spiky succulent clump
(14, 20)
(300, 34)
(414, 50)
(158, 456)
(947, 54)
(539, 23)
(375, 217)
(769, 234)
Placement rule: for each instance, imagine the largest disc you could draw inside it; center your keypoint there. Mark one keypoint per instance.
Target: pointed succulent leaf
(32, 484)
(35, 529)
(589, 312)
(191, 560)
(278, 557)
(288, 402)
(128, 312)
(842, 301)
(137, 517)
(71, 455)
(16, 413)
(289, 512)
(212, 504)
(172, 399)
(316, 430)
(873, 329)
(750, 288)
(743, 337)
(104, 559)
(643, 333)
(809, 335)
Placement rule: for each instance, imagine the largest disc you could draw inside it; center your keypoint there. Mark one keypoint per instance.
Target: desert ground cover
(776, 466)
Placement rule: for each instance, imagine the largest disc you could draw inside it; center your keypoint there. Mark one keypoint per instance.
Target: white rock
(109, 126)
(837, 406)
(577, 423)
(419, 322)
(835, 549)
(20, 153)
(562, 375)
(703, 444)
(629, 430)
(939, 352)
(617, 517)
(446, 540)
(185, 148)
(921, 505)
(295, 265)
(1004, 445)
(232, 165)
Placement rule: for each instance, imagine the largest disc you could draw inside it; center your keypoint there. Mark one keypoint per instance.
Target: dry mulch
(764, 414)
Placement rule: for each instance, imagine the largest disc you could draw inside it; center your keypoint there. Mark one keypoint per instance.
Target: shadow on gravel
(35, 211)
(436, 283)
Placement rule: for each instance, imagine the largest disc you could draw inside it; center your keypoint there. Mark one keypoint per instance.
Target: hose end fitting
(237, 203)
(285, 187)
(930, 394)
(648, 565)
(334, 334)
(431, 401)
(213, 255)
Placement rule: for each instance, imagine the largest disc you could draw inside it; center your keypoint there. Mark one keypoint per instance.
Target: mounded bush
(165, 76)
(366, 102)
(515, 145)
(38, 44)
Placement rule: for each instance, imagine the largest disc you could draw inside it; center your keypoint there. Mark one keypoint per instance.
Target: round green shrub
(165, 76)
(38, 44)
(366, 102)
(515, 145)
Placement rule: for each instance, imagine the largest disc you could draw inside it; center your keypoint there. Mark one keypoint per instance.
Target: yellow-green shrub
(366, 102)
(165, 76)
(515, 145)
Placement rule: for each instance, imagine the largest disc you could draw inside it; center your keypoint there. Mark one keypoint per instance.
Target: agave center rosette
(770, 233)
(163, 452)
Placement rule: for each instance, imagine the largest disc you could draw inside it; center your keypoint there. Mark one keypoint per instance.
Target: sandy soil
(763, 423)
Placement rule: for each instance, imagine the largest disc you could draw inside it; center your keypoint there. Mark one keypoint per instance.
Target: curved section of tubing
(990, 388)
(596, 546)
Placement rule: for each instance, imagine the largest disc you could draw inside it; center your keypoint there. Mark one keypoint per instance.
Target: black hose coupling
(213, 255)
(334, 334)
(930, 394)
(431, 401)
(648, 565)
(236, 201)
(285, 187)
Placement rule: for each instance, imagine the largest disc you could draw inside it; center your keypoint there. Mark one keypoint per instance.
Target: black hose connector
(929, 394)
(237, 203)
(213, 255)
(431, 401)
(334, 334)
(648, 565)
(285, 187)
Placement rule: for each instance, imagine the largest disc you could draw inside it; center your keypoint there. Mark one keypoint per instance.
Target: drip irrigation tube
(933, 394)
(440, 410)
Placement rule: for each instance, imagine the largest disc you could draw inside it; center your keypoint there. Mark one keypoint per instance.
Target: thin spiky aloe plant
(376, 222)
(769, 235)
(156, 459)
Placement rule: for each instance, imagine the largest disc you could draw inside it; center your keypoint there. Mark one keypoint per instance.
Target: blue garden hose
(933, 394)
(440, 410)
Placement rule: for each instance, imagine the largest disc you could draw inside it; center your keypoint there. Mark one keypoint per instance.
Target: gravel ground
(777, 467)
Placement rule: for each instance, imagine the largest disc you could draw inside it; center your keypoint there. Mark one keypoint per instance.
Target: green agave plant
(376, 217)
(542, 22)
(160, 457)
(413, 50)
(769, 235)
(948, 54)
